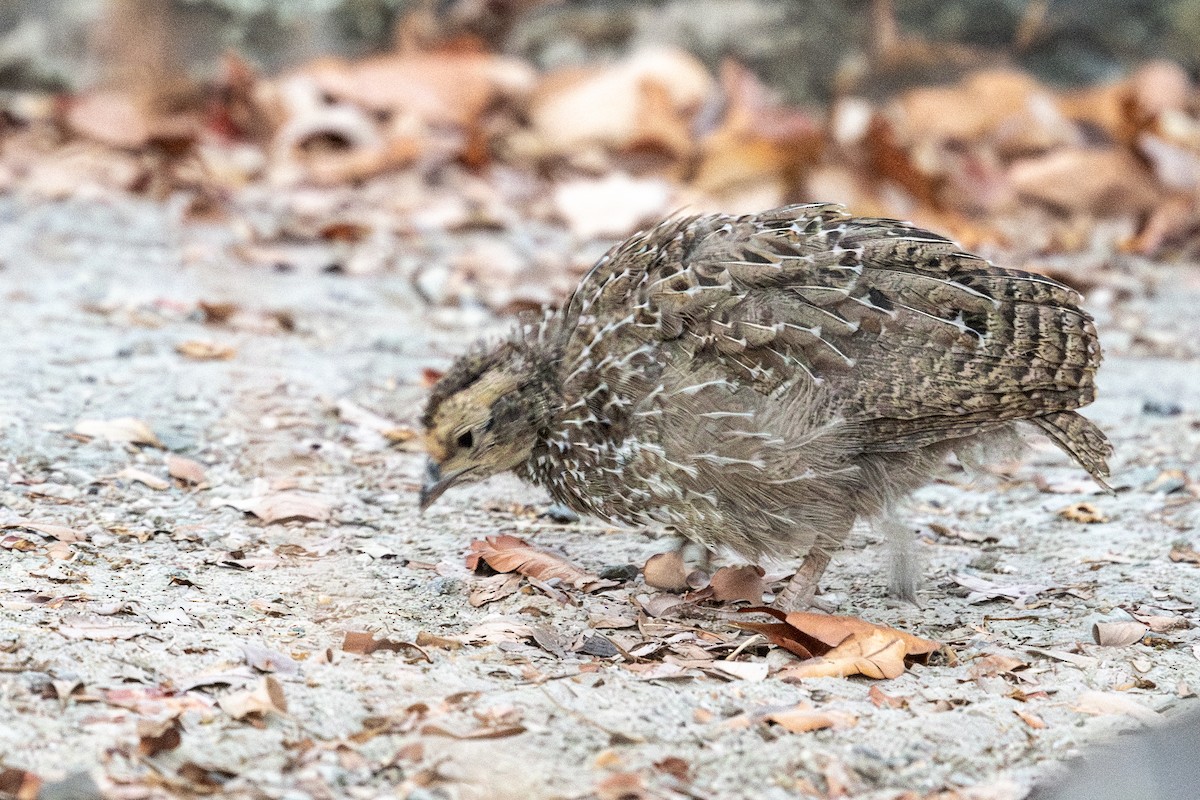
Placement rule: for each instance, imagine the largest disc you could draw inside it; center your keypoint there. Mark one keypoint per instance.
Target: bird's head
(485, 416)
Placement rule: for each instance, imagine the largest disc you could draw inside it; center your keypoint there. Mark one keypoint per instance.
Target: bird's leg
(905, 573)
(801, 591)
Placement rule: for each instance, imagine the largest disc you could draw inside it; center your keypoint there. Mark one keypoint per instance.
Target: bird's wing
(920, 341)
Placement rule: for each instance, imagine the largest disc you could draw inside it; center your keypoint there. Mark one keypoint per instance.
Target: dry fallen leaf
(507, 553)
(494, 587)
(1083, 512)
(880, 699)
(285, 506)
(1118, 634)
(205, 350)
(158, 736)
(1032, 720)
(1105, 703)
(185, 469)
(263, 699)
(666, 571)
(60, 532)
(121, 429)
(145, 478)
(19, 784)
(364, 643)
(835, 646)
(804, 718)
(738, 583)
(1184, 553)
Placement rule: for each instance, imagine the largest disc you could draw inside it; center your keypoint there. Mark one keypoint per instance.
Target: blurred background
(1031, 127)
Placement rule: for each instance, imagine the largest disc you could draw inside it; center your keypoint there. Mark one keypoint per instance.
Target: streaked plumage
(760, 382)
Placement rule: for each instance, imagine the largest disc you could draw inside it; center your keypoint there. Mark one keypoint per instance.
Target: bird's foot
(801, 591)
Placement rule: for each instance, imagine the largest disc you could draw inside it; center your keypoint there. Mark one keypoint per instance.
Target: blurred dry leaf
(738, 583)
(185, 470)
(761, 149)
(364, 643)
(1085, 513)
(507, 553)
(205, 350)
(494, 587)
(286, 506)
(19, 784)
(1118, 634)
(1100, 181)
(266, 660)
(666, 571)
(834, 646)
(623, 786)
(644, 101)
(267, 697)
(60, 532)
(121, 429)
(804, 718)
(158, 736)
(613, 205)
(96, 629)
(1115, 703)
(1032, 720)
(880, 699)
(144, 478)
(1184, 553)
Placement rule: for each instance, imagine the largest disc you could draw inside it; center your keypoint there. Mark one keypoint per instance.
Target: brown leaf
(364, 643)
(205, 350)
(738, 583)
(121, 429)
(1097, 181)
(666, 571)
(494, 587)
(158, 736)
(285, 506)
(60, 532)
(1118, 634)
(1085, 513)
(623, 786)
(185, 470)
(507, 553)
(804, 718)
(881, 700)
(265, 698)
(1032, 720)
(1184, 553)
(835, 646)
(19, 784)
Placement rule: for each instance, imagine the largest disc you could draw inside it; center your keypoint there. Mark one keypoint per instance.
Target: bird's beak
(434, 483)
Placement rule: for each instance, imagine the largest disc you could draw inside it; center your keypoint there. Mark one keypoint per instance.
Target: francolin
(760, 382)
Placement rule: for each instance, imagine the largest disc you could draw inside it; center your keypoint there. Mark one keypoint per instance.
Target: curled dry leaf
(1032, 720)
(881, 699)
(19, 784)
(265, 660)
(60, 532)
(285, 506)
(158, 736)
(804, 718)
(205, 350)
(135, 475)
(1184, 553)
(185, 470)
(1085, 513)
(666, 571)
(507, 553)
(121, 429)
(836, 646)
(365, 643)
(494, 587)
(738, 583)
(1118, 634)
(263, 699)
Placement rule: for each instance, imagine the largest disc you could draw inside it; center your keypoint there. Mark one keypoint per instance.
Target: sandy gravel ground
(157, 627)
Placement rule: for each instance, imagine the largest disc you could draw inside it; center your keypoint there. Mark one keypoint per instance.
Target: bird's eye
(466, 439)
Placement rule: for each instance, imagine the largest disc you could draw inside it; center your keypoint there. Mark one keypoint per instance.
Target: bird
(758, 383)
